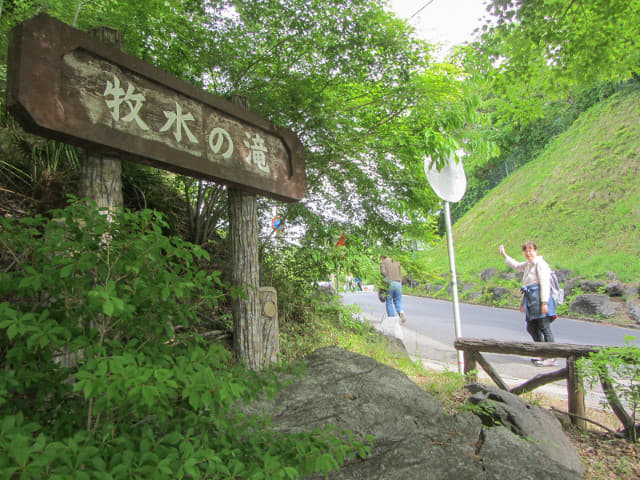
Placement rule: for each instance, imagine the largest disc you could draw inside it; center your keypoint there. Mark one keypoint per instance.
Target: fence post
(470, 366)
(575, 390)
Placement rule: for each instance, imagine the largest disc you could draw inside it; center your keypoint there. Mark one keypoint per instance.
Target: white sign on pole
(449, 183)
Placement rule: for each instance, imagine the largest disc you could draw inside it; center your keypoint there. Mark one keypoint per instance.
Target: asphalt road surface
(429, 334)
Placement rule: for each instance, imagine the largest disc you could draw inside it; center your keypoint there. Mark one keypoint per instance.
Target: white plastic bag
(391, 326)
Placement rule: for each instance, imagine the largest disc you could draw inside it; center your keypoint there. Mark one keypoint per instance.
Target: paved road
(429, 334)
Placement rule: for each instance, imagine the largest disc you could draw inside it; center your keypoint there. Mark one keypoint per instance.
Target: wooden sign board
(64, 84)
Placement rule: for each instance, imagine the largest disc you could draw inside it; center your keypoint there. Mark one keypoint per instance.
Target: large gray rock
(413, 438)
(593, 305)
(592, 286)
(615, 288)
(527, 421)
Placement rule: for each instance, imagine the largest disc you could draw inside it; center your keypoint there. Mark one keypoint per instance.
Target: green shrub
(104, 374)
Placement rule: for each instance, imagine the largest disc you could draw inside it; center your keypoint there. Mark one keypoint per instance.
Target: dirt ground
(605, 456)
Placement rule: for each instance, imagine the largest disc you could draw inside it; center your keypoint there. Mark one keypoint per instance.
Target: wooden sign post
(65, 84)
(101, 175)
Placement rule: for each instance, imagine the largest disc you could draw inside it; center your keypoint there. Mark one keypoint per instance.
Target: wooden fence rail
(473, 348)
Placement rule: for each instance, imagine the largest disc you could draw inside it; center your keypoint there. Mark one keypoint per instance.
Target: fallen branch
(613, 432)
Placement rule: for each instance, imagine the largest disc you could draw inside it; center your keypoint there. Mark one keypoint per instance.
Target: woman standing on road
(537, 303)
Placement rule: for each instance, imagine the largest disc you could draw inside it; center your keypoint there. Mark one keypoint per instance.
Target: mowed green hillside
(579, 201)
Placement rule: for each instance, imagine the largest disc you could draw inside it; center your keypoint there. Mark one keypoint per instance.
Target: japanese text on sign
(177, 122)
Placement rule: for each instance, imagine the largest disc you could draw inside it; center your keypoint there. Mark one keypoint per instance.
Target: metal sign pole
(454, 285)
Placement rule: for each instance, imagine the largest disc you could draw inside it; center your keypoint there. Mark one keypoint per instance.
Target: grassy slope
(579, 201)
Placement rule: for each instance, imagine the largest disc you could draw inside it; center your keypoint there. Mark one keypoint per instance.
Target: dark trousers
(540, 329)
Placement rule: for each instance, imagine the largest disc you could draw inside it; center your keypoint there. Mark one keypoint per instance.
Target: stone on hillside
(535, 424)
(488, 273)
(563, 274)
(412, 437)
(591, 286)
(499, 293)
(611, 276)
(570, 284)
(633, 310)
(614, 289)
(629, 290)
(594, 305)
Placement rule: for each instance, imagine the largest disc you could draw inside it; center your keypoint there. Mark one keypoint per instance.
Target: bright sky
(446, 22)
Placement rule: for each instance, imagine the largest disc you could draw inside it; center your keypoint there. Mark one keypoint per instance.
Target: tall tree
(532, 52)
(537, 65)
(347, 76)
(361, 92)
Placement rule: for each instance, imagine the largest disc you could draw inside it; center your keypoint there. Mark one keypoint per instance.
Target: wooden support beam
(540, 380)
(490, 371)
(575, 391)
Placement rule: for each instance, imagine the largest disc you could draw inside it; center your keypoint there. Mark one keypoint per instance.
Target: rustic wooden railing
(473, 348)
